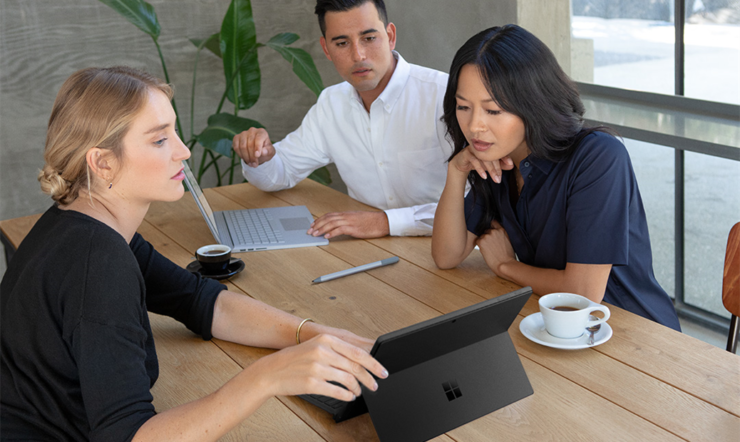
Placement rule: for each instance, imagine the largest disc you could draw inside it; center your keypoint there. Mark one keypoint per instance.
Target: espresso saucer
(533, 328)
(236, 265)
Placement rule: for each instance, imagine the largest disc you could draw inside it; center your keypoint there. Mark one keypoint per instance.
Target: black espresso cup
(214, 258)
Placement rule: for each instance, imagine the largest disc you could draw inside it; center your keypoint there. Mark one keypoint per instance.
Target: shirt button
(530, 175)
(390, 198)
(526, 164)
(369, 130)
(380, 164)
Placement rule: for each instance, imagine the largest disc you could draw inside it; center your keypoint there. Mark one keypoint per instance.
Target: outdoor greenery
(236, 44)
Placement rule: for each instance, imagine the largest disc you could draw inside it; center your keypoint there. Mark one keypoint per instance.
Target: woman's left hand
(495, 247)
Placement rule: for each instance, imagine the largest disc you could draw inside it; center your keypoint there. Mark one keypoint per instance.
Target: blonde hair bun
(54, 185)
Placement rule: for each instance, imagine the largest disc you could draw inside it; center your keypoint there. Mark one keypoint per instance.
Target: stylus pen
(358, 269)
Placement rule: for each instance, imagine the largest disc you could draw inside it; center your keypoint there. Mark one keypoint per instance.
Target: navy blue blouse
(587, 210)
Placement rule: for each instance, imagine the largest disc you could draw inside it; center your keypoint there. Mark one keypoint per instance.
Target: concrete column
(549, 20)
(430, 32)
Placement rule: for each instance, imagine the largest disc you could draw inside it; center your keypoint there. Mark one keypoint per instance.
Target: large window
(691, 196)
(632, 47)
(712, 40)
(630, 44)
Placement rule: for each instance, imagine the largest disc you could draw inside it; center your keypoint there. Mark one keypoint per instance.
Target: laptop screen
(200, 199)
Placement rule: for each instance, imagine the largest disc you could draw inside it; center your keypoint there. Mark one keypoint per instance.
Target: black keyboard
(340, 410)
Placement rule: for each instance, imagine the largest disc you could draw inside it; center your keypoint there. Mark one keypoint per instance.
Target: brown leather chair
(731, 285)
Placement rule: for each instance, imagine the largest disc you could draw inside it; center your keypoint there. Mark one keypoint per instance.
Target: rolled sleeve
(411, 221)
(268, 176)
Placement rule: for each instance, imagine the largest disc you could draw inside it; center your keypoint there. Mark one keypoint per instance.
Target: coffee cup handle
(602, 308)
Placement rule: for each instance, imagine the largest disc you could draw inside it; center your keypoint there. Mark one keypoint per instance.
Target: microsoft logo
(452, 390)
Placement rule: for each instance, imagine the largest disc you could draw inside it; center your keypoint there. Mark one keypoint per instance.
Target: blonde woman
(78, 356)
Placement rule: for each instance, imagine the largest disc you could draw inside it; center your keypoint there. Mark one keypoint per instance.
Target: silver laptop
(251, 230)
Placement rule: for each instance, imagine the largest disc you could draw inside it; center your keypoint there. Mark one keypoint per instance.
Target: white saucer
(533, 328)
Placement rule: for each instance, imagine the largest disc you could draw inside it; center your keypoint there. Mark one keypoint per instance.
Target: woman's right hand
(306, 369)
(465, 161)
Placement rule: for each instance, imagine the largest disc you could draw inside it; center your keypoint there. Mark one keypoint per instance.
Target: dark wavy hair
(524, 78)
(324, 6)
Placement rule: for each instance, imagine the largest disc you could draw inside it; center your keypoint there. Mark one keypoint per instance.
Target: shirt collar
(545, 166)
(395, 86)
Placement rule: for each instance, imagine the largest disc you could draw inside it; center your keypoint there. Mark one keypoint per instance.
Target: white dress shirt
(393, 158)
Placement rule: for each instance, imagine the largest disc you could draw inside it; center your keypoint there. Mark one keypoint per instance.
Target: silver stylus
(358, 269)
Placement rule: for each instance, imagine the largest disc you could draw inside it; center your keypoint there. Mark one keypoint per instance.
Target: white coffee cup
(566, 315)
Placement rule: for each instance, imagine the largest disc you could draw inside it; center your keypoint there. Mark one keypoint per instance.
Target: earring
(110, 185)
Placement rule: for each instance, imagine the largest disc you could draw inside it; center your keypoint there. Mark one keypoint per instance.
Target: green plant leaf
(284, 38)
(300, 60)
(221, 130)
(211, 43)
(238, 48)
(321, 176)
(140, 13)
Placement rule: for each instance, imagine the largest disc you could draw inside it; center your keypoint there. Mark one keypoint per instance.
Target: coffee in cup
(566, 315)
(214, 258)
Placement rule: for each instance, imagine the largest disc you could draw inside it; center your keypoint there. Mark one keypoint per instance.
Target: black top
(585, 209)
(78, 355)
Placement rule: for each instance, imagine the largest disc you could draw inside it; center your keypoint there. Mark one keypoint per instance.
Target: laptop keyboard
(253, 227)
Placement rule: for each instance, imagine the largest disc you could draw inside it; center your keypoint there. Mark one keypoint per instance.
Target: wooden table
(647, 383)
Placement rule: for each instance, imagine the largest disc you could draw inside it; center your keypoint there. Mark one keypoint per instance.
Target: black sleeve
(110, 343)
(175, 292)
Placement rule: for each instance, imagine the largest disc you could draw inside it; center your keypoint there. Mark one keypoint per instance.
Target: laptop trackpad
(295, 223)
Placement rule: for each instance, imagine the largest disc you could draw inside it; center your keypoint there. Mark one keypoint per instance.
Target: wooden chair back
(731, 284)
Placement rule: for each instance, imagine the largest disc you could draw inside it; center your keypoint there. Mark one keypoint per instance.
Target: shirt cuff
(403, 222)
(268, 176)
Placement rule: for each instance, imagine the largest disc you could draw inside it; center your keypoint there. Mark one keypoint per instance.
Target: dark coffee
(214, 252)
(564, 308)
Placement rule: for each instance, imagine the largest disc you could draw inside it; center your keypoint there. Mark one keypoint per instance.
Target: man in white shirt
(381, 127)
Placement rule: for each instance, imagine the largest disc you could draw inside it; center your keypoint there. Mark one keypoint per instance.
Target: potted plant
(236, 44)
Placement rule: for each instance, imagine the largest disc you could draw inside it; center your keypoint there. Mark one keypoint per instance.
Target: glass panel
(712, 207)
(712, 57)
(654, 168)
(626, 44)
(663, 119)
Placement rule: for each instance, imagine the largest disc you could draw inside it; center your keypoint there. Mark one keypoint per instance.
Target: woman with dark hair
(568, 217)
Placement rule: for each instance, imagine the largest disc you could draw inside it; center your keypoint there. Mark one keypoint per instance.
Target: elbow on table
(444, 261)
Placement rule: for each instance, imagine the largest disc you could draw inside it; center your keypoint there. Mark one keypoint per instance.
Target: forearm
(243, 320)
(587, 280)
(208, 418)
(450, 235)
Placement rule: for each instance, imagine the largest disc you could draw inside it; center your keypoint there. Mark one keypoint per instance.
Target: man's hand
(355, 224)
(254, 146)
